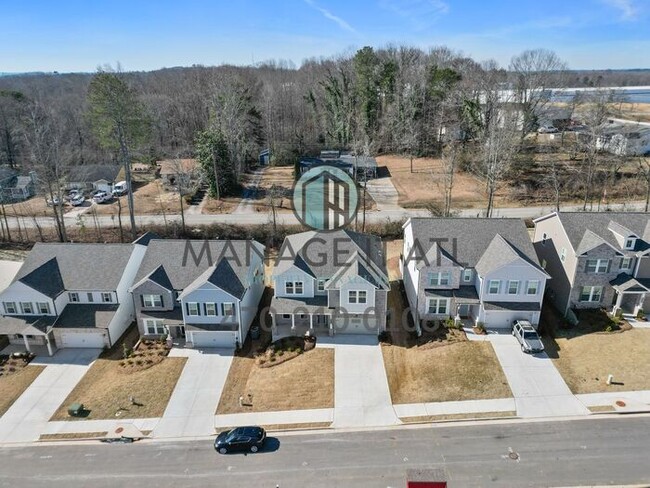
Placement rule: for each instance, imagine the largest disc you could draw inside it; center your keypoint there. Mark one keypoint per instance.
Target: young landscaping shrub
(480, 326)
(451, 323)
(126, 351)
(272, 359)
(608, 328)
(281, 353)
(138, 362)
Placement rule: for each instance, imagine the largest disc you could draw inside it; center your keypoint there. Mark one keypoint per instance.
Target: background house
(178, 171)
(624, 138)
(16, 188)
(90, 177)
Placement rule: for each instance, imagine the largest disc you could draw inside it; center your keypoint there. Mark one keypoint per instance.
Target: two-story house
(206, 292)
(473, 270)
(597, 260)
(328, 283)
(72, 295)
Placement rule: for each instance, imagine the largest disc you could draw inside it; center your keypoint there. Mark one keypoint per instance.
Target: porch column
(29, 349)
(274, 326)
(457, 317)
(331, 326)
(293, 321)
(50, 351)
(617, 306)
(640, 303)
(311, 321)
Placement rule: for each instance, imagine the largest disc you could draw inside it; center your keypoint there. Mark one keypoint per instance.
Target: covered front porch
(630, 295)
(32, 332)
(299, 316)
(466, 304)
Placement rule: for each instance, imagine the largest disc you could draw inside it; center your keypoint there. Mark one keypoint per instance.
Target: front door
(181, 331)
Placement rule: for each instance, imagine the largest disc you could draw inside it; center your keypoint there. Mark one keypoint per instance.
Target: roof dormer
(630, 243)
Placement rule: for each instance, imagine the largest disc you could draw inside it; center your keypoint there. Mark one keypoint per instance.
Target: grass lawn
(305, 382)
(12, 386)
(585, 360)
(106, 387)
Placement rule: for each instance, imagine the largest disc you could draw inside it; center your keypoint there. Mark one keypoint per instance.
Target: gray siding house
(328, 283)
(473, 270)
(597, 260)
(206, 292)
(71, 295)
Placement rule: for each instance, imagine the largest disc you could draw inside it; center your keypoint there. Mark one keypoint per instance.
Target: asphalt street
(613, 450)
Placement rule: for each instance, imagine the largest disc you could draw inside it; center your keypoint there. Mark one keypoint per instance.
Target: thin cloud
(420, 13)
(330, 16)
(625, 7)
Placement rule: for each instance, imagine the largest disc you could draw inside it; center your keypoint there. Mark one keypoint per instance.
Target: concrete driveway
(191, 408)
(536, 384)
(361, 394)
(27, 418)
(384, 193)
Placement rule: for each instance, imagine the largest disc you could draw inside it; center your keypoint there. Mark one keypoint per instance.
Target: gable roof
(175, 266)
(54, 267)
(223, 276)
(603, 225)
(89, 173)
(500, 253)
(327, 251)
(467, 239)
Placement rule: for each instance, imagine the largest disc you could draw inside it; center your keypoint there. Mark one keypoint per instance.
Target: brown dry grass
(149, 198)
(459, 371)
(72, 436)
(601, 409)
(424, 185)
(458, 416)
(585, 360)
(305, 382)
(279, 427)
(12, 386)
(639, 112)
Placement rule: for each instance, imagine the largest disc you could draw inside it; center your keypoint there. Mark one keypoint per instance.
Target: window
(73, 297)
(210, 309)
(10, 307)
(626, 264)
(43, 308)
(228, 309)
(90, 297)
(591, 293)
(357, 296)
(629, 243)
(155, 327)
(439, 279)
(286, 315)
(597, 265)
(532, 287)
(563, 254)
(513, 287)
(493, 287)
(467, 275)
(152, 300)
(321, 285)
(293, 287)
(437, 306)
(193, 309)
(362, 294)
(26, 308)
(107, 297)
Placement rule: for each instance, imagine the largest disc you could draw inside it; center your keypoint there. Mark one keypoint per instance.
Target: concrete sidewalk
(280, 417)
(28, 416)
(191, 408)
(455, 408)
(536, 384)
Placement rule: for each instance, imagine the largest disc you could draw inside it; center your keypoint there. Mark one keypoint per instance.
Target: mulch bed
(145, 354)
(284, 350)
(11, 365)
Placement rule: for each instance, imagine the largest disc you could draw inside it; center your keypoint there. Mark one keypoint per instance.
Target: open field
(639, 112)
(12, 386)
(585, 360)
(304, 382)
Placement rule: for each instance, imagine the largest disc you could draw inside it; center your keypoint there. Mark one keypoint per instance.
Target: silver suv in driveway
(527, 337)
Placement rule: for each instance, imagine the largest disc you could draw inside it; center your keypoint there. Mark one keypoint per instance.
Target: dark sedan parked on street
(240, 439)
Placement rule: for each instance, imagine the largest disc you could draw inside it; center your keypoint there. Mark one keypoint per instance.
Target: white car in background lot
(102, 197)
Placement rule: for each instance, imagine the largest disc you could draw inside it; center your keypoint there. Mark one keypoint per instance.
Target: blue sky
(77, 35)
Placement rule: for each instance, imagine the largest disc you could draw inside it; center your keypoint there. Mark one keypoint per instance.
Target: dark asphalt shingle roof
(317, 304)
(181, 269)
(514, 306)
(577, 224)
(467, 239)
(89, 173)
(171, 317)
(80, 266)
(25, 324)
(86, 316)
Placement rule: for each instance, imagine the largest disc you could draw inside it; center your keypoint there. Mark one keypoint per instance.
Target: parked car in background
(240, 439)
(528, 337)
(77, 200)
(53, 201)
(120, 188)
(547, 129)
(102, 197)
(75, 194)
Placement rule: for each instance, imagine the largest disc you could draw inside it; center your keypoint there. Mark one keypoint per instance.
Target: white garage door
(361, 325)
(82, 339)
(214, 339)
(505, 320)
